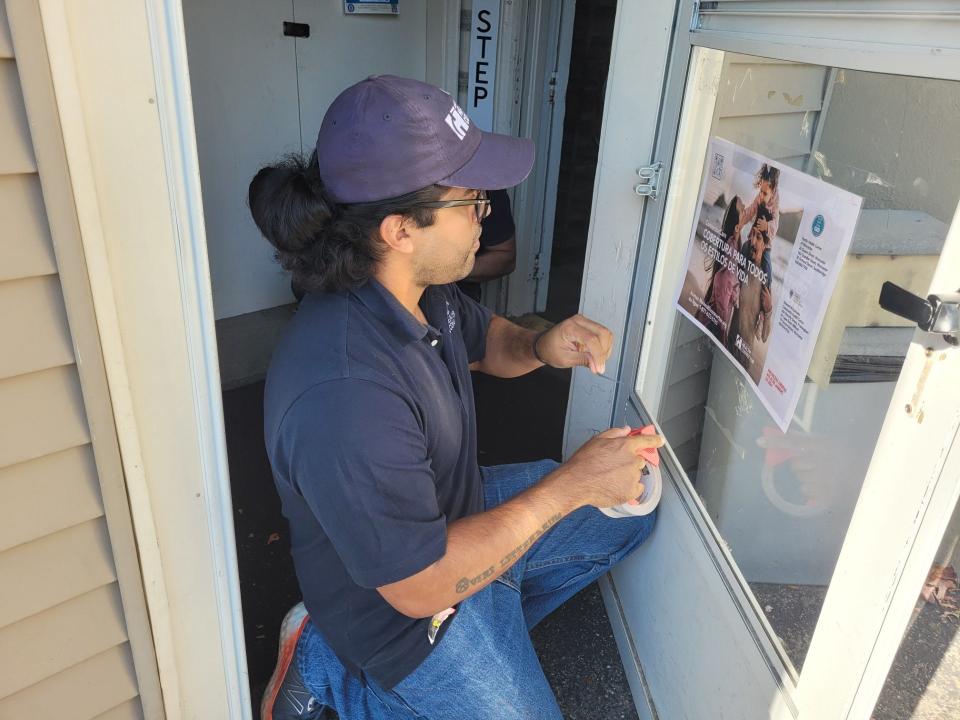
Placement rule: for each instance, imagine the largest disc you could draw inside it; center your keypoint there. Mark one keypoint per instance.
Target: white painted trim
(642, 36)
(642, 697)
(57, 33)
(915, 570)
(540, 48)
(558, 113)
(169, 47)
(143, 239)
(682, 191)
(510, 51)
(548, 45)
(831, 84)
(896, 527)
(853, 55)
(443, 42)
(506, 112)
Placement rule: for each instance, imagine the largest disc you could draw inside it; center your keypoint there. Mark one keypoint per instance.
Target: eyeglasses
(481, 202)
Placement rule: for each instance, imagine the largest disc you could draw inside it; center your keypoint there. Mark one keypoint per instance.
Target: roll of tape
(652, 490)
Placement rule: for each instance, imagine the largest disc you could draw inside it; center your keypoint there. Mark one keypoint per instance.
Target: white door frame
(642, 37)
(548, 43)
(124, 108)
(705, 601)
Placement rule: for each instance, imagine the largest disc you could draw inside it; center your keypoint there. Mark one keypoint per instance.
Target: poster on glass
(761, 264)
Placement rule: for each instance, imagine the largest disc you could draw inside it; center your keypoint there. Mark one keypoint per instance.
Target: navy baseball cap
(388, 136)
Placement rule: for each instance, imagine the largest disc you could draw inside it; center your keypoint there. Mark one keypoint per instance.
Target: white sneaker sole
(290, 631)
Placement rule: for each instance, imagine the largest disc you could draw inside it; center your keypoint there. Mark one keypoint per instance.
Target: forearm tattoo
(465, 583)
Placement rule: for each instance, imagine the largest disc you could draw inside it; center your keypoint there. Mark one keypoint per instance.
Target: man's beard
(444, 274)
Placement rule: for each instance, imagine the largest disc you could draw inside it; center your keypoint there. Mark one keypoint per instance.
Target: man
(421, 572)
(497, 255)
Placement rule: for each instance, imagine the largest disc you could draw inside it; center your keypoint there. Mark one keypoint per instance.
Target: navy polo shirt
(371, 433)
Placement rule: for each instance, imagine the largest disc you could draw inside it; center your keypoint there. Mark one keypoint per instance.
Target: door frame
(548, 44)
(824, 691)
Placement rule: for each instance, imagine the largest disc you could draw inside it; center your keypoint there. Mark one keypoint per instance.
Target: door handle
(937, 314)
(295, 29)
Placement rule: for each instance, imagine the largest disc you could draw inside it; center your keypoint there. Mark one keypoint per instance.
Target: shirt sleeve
(498, 226)
(355, 451)
(474, 322)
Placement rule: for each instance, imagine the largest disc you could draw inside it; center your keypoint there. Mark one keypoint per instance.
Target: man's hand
(480, 548)
(605, 471)
(577, 341)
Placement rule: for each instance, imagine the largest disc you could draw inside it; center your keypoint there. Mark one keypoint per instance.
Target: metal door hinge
(552, 88)
(937, 314)
(649, 185)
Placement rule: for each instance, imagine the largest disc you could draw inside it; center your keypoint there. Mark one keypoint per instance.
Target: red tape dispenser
(649, 454)
(652, 483)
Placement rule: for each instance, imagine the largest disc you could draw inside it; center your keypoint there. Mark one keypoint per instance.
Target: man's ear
(394, 231)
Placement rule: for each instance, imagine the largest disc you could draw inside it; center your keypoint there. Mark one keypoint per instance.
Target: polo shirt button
(433, 343)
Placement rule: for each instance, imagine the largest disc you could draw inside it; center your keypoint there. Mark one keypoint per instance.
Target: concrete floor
(519, 420)
(924, 681)
(792, 611)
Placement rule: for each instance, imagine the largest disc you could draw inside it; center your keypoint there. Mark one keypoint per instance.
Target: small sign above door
(371, 7)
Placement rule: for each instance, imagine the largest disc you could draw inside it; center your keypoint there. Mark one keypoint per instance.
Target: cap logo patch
(458, 121)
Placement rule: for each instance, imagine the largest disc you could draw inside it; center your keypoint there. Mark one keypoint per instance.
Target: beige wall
(895, 141)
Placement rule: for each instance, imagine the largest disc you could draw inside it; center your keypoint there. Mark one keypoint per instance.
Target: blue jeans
(485, 665)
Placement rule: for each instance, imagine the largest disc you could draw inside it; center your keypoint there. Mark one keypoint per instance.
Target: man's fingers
(604, 336)
(616, 432)
(639, 495)
(587, 360)
(642, 442)
(588, 343)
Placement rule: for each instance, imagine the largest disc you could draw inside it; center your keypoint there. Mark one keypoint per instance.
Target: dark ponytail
(326, 246)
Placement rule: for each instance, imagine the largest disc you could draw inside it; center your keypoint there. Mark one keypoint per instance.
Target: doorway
(519, 420)
(589, 63)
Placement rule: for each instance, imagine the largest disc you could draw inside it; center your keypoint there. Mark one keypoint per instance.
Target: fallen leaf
(950, 615)
(941, 583)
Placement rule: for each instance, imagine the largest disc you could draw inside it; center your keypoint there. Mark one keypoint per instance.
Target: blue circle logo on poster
(817, 226)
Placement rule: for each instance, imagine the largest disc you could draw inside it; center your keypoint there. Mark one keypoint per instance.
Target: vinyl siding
(64, 640)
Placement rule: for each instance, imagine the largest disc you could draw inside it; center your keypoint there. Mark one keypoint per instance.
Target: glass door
(775, 502)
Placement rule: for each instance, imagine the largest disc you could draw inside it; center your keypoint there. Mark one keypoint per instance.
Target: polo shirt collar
(398, 320)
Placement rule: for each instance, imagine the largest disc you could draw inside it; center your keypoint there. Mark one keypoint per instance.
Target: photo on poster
(761, 264)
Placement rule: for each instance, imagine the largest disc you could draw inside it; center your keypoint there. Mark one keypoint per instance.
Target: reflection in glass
(782, 501)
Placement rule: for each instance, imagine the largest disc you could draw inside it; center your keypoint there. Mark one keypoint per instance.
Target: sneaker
(286, 697)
